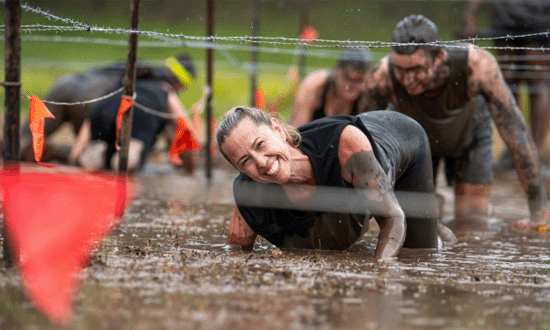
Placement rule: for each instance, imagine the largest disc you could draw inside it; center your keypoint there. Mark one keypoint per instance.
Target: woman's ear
(274, 122)
(277, 127)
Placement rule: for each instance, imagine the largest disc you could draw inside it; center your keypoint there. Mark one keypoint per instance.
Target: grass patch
(45, 62)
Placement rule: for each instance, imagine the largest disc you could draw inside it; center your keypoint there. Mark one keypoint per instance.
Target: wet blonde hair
(234, 116)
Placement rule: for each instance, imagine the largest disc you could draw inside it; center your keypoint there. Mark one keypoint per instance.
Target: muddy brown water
(164, 267)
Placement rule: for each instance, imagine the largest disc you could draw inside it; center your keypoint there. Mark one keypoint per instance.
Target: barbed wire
(289, 41)
(515, 67)
(49, 16)
(317, 43)
(157, 113)
(176, 44)
(214, 42)
(136, 104)
(80, 26)
(224, 50)
(202, 45)
(82, 102)
(42, 27)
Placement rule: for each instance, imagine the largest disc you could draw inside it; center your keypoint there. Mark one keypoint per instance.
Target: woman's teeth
(274, 168)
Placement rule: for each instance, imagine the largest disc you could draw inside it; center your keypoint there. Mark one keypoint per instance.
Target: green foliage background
(44, 62)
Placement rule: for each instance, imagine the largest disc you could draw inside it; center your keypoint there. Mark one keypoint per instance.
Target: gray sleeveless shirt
(449, 117)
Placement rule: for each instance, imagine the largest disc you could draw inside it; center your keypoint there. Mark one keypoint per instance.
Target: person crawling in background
(454, 91)
(159, 87)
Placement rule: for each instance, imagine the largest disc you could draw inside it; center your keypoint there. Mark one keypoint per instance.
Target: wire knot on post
(10, 83)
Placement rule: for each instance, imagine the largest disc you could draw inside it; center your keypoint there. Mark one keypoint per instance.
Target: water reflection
(165, 267)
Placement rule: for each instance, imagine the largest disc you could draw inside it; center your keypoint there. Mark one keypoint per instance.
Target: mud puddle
(164, 267)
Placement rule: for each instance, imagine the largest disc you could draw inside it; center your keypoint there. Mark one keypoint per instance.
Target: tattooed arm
(379, 88)
(362, 170)
(486, 78)
(239, 233)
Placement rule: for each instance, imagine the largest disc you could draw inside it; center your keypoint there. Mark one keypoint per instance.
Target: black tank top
(282, 226)
(320, 111)
(145, 126)
(448, 117)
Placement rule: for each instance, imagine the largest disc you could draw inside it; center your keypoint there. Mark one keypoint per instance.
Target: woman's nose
(261, 160)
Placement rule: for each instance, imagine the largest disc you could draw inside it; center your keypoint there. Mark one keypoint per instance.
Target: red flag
(53, 222)
(125, 103)
(259, 98)
(184, 139)
(308, 34)
(37, 112)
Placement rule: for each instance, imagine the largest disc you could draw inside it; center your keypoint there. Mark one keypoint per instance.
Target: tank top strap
(320, 111)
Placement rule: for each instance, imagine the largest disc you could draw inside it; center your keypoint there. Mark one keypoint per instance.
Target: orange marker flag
(53, 222)
(37, 112)
(308, 34)
(125, 103)
(184, 139)
(259, 98)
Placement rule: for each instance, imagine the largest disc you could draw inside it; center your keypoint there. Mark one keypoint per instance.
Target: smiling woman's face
(259, 151)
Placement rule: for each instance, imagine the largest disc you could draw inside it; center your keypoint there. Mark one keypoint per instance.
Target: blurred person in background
(511, 18)
(454, 91)
(337, 91)
(95, 83)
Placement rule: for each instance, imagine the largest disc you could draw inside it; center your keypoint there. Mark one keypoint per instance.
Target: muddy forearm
(391, 237)
(239, 233)
(511, 126)
(515, 134)
(369, 178)
(243, 242)
(526, 161)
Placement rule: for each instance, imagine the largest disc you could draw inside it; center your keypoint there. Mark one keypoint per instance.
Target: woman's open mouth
(274, 168)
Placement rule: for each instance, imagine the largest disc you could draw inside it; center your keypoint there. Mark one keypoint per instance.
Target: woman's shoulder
(316, 79)
(321, 137)
(353, 140)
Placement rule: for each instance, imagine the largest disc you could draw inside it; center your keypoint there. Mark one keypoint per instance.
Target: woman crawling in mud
(316, 187)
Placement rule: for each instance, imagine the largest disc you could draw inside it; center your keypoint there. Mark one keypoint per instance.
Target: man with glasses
(325, 93)
(453, 91)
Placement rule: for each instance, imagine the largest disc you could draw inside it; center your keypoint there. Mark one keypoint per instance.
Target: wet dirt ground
(164, 267)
